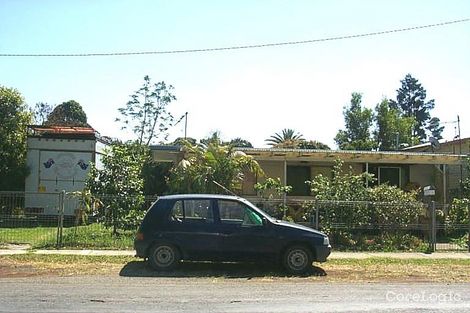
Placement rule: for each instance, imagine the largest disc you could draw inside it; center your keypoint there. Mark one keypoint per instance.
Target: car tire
(297, 259)
(164, 257)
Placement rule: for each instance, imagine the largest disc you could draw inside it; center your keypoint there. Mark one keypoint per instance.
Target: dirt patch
(16, 269)
(334, 271)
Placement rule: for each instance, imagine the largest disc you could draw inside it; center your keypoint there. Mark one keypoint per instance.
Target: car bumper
(322, 253)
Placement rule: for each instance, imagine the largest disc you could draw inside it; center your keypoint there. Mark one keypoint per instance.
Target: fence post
(432, 234)
(468, 243)
(317, 215)
(60, 220)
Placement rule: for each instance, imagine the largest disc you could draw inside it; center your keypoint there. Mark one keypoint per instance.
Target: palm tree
(213, 161)
(288, 138)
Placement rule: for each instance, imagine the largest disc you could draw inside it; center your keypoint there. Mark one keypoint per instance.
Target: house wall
(56, 165)
(272, 169)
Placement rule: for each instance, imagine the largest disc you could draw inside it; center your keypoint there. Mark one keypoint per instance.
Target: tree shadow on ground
(209, 269)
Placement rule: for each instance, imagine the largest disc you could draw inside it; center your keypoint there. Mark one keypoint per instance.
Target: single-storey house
(404, 169)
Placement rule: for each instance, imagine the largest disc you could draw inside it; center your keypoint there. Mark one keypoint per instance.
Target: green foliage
(358, 121)
(342, 186)
(204, 164)
(411, 101)
(41, 111)
(434, 127)
(240, 143)
(155, 175)
(68, 113)
(458, 212)
(14, 118)
(393, 206)
(392, 129)
(121, 182)
(313, 144)
(272, 187)
(345, 203)
(146, 113)
(288, 138)
(87, 203)
(466, 181)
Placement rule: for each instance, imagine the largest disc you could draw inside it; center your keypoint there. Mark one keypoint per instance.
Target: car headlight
(326, 241)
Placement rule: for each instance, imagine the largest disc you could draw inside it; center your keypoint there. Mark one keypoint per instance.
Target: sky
(250, 93)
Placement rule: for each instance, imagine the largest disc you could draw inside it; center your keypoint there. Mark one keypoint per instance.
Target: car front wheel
(297, 260)
(164, 257)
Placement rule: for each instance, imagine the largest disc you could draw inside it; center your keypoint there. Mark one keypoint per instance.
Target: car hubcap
(297, 259)
(164, 256)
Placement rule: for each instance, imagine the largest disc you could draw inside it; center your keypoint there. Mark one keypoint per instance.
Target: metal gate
(24, 223)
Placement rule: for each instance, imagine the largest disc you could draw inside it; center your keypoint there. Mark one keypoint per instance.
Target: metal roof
(402, 157)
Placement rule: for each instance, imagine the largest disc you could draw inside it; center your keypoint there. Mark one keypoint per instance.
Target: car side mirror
(265, 221)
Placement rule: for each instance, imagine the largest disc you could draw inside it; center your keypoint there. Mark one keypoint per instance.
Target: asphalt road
(201, 294)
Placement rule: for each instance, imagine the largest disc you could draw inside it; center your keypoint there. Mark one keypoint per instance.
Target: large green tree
(14, 118)
(411, 101)
(358, 122)
(287, 138)
(69, 113)
(392, 129)
(146, 113)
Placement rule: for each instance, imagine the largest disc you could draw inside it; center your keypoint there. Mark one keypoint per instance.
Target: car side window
(233, 212)
(192, 211)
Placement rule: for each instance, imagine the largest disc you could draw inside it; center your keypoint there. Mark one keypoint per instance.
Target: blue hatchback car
(224, 228)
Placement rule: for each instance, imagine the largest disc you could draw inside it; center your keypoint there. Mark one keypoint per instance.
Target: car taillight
(139, 236)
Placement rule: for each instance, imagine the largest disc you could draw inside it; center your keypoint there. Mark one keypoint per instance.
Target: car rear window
(192, 211)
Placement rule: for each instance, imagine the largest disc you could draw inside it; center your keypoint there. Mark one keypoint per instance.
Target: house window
(390, 176)
(296, 177)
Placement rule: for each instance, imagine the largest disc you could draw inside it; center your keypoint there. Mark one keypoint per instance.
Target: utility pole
(185, 124)
(460, 155)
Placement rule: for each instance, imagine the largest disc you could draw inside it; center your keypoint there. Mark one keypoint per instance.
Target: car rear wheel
(297, 259)
(164, 257)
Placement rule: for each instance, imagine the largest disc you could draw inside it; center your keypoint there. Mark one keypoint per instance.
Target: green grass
(396, 261)
(34, 236)
(94, 236)
(67, 259)
(113, 259)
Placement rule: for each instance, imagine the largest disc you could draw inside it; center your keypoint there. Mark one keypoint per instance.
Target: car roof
(200, 196)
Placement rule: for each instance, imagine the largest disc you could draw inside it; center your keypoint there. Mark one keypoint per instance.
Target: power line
(276, 44)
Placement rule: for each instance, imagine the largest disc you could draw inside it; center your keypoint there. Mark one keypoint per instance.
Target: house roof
(170, 153)
(397, 157)
(65, 132)
(441, 142)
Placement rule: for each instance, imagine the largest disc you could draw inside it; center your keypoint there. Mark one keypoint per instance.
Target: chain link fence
(45, 220)
(378, 226)
(71, 220)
